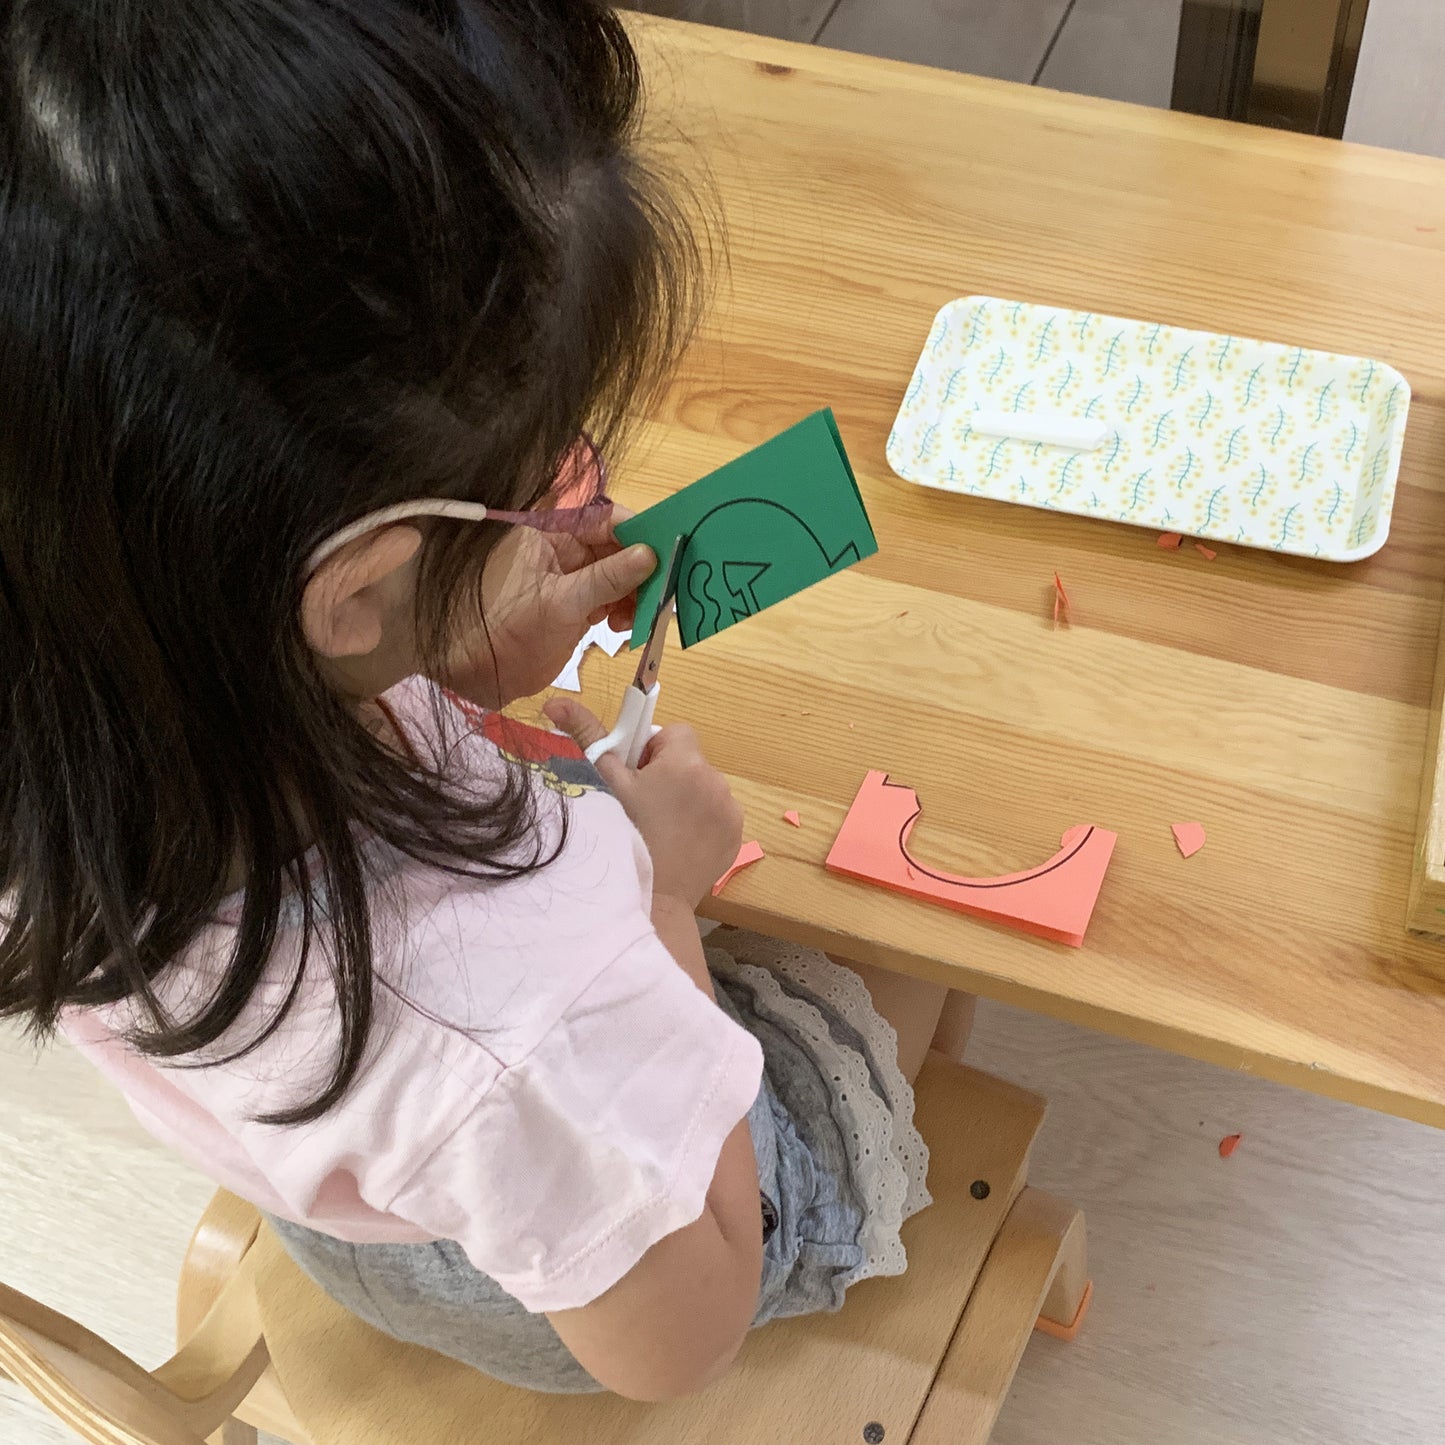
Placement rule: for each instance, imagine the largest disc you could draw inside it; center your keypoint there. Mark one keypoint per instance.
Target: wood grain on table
(1281, 703)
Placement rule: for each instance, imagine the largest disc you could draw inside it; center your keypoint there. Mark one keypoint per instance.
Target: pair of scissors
(634, 718)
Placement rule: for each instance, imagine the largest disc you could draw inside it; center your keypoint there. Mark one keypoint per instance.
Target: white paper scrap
(603, 635)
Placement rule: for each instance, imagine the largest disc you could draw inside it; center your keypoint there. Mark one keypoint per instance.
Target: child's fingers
(580, 723)
(584, 728)
(648, 754)
(607, 581)
(675, 739)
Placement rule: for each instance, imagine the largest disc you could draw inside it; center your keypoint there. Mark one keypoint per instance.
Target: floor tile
(1120, 49)
(981, 37)
(786, 19)
(1287, 1295)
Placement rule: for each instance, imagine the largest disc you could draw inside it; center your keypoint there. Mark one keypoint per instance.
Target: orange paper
(791, 816)
(1170, 541)
(1229, 1144)
(1054, 900)
(1208, 553)
(748, 853)
(1189, 837)
(1061, 601)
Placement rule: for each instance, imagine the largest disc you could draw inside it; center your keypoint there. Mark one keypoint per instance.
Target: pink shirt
(546, 1086)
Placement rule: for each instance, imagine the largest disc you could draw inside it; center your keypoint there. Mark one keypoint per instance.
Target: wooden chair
(926, 1358)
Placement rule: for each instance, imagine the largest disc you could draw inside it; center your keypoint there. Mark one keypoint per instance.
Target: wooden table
(1281, 703)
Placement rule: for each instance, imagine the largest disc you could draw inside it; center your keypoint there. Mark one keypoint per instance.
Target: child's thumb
(584, 728)
(612, 578)
(579, 723)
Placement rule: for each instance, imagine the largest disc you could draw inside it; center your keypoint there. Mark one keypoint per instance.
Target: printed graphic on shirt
(556, 760)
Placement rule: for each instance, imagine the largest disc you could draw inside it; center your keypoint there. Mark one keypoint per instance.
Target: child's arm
(676, 1320)
(676, 926)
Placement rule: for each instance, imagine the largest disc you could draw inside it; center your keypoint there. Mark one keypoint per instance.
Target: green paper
(778, 519)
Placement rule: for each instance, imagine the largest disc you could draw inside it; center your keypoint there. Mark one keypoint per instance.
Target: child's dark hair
(265, 266)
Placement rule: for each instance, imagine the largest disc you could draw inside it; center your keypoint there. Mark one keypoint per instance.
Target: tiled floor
(1119, 49)
(1123, 49)
(983, 37)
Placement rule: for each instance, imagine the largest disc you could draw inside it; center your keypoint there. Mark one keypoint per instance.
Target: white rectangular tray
(1209, 435)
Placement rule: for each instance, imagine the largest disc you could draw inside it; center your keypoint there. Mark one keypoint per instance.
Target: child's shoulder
(490, 946)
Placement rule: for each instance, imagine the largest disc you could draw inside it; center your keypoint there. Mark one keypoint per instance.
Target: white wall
(1399, 94)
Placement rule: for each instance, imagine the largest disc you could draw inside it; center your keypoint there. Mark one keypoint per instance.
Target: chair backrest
(106, 1398)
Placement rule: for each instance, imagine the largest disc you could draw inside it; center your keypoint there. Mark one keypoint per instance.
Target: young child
(278, 276)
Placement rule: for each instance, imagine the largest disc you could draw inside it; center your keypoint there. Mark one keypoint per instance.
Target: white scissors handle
(634, 727)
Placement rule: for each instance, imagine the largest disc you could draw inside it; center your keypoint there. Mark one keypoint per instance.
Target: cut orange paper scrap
(791, 816)
(1055, 900)
(749, 853)
(1208, 553)
(1229, 1144)
(1189, 837)
(1170, 541)
(1061, 601)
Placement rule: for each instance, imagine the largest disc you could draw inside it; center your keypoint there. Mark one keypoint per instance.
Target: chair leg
(235, 1432)
(1067, 1300)
(978, 1368)
(955, 1024)
(218, 1246)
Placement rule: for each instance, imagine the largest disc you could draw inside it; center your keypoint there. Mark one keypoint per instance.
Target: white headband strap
(426, 507)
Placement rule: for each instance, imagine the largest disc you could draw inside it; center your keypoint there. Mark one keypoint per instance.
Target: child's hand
(679, 802)
(541, 591)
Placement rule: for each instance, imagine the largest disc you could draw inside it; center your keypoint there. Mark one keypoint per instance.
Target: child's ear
(346, 601)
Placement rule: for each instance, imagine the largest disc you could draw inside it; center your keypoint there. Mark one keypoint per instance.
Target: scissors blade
(651, 658)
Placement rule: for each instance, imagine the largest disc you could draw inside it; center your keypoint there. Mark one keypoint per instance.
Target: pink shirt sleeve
(599, 1142)
(549, 1088)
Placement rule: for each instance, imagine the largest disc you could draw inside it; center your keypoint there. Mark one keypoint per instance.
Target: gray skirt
(840, 1167)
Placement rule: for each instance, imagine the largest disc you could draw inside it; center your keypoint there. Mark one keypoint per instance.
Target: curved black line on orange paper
(954, 882)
